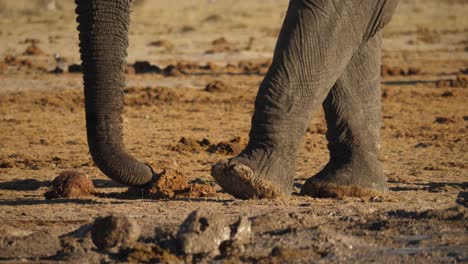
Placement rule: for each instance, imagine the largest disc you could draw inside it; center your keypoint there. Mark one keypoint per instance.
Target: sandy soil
(42, 133)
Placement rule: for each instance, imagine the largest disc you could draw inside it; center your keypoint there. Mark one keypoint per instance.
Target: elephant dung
(70, 184)
(172, 184)
(114, 232)
(203, 232)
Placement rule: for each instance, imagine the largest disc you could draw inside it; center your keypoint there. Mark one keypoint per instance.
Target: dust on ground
(191, 85)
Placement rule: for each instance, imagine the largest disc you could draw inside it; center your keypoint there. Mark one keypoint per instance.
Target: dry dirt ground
(42, 133)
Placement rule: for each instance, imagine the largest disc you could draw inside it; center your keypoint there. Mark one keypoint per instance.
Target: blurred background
(192, 25)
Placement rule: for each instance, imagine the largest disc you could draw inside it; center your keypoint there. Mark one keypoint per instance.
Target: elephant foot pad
(240, 181)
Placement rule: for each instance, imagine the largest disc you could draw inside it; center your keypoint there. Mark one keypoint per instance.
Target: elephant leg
(352, 111)
(317, 41)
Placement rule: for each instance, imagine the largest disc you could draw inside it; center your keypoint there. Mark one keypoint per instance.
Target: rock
(205, 232)
(242, 230)
(70, 184)
(114, 232)
(202, 232)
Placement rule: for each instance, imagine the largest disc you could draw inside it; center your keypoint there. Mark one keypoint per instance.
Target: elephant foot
(358, 179)
(245, 178)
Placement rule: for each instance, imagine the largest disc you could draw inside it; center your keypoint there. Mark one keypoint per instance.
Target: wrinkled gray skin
(328, 53)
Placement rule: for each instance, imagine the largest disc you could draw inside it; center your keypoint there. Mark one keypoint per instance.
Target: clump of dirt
(135, 96)
(172, 70)
(210, 66)
(172, 184)
(198, 190)
(447, 94)
(460, 82)
(145, 67)
(3, 67)
(70, 184)
(169, 184)
(220, 41)
(150, 253)
(232, 147)
(215, 87)
(115, 232)
(187, 66)
(254, 67)
(443, 120)
(317, 128)
(386, 70)
(33, 50)
(187, 144)
(22, 161)
(167, 45)
(219, 45)
(10, 60)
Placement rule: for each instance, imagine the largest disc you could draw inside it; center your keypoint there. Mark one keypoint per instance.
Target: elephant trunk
(103, 32)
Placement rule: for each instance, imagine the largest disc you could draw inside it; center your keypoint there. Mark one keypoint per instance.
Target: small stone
(114, 232)
(70, 184)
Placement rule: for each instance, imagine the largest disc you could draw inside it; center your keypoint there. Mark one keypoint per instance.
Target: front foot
(244, 177)
(358, 179)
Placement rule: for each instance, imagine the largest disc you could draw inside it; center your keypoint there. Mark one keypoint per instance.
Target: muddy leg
(317, 41)
(352, 110)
